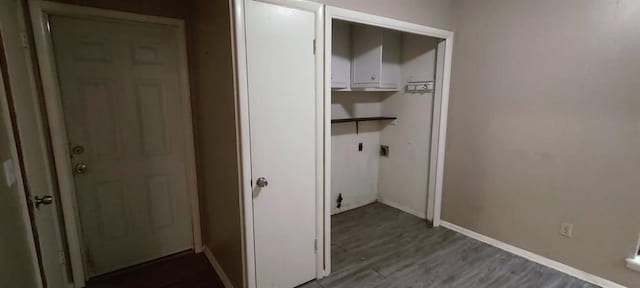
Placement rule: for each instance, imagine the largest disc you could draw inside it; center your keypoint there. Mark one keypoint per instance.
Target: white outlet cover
(9, 172)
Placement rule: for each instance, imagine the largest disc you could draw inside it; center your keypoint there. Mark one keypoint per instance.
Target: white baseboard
(402, 208)
(634, 263)
(216, 266)
(534, 257)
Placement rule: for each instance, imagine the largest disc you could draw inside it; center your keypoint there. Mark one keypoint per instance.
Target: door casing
(440, 108)
(40, 12)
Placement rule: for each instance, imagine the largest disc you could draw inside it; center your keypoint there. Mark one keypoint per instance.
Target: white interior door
(281, 90)
(122, 105)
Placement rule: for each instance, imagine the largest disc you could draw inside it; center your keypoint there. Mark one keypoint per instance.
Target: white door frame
(40, 12)
(242, 103)
(441, 103)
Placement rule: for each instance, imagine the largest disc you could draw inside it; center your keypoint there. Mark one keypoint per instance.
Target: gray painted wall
(164, 8)
(544, 128)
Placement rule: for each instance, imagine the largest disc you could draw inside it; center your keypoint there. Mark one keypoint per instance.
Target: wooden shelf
(364, 90)
(357, 120)
(362, 119)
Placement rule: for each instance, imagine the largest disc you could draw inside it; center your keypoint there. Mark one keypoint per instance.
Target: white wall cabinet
(365, 57)
(341, 55)
(376, 58)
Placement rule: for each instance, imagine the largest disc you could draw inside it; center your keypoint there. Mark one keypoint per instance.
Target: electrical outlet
(566, 230)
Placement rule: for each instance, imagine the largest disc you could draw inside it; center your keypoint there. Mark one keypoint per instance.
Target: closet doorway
(386, 95)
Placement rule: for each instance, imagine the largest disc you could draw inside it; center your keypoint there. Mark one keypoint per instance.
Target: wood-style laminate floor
(186, 270)
(379, 246)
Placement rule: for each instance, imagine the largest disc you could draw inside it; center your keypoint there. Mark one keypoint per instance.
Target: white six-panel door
(282, 111)
(122, 106)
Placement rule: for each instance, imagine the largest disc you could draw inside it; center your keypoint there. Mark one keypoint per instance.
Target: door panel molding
(40, 12)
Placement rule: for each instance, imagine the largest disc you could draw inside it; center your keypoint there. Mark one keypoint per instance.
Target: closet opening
(384, 106)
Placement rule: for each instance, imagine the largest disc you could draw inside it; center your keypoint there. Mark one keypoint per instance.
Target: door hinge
(315, 245)
(314, 46)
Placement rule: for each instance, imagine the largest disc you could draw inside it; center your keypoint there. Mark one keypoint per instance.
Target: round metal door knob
(262, 182)
(80, 168)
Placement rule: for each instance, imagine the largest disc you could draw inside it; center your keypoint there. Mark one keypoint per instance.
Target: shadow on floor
(186, 270)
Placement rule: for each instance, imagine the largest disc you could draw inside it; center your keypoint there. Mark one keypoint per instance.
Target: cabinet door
(341, 55)
(391, 47)
(367, 56)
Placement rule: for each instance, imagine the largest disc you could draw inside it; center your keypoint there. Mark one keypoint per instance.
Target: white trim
(243, 138)
(243, 131)
(326, 248)
(582, 275)
(389, 23)
(435, 132)
(403, 208)
(217, 267)
(439, 124)
(634, 263)
(320, 124)
(242, 162)
(40, 10)
(442, 137)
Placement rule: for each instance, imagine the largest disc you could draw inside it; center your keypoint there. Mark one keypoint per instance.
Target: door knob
(80, 168)
(43, 200)
(262, 182)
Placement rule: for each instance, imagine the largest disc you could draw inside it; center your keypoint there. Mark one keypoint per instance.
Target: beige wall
(435, 13)
(214, 109)
(165, 8)
(544, 128)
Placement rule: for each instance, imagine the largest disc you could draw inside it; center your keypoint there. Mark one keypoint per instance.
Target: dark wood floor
(379, 246)
(186, 270)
